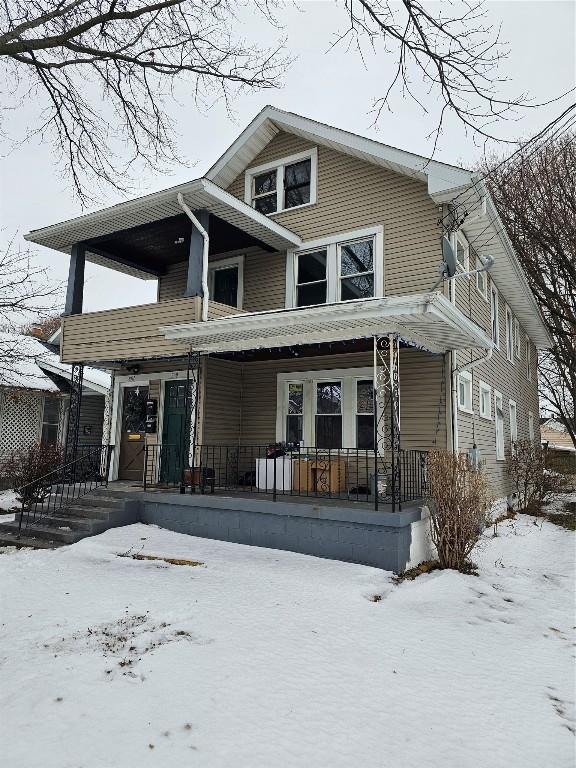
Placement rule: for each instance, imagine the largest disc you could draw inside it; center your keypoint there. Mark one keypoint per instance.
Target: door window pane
(357, 270)
(134, 416)
(297, 183)
(328, 415)
(311, 278)
(226, 286)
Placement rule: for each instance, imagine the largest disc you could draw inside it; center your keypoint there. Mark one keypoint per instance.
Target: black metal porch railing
(347, 474)
(48, 494)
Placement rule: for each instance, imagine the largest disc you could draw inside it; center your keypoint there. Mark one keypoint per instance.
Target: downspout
(455, 371)
(205, 247)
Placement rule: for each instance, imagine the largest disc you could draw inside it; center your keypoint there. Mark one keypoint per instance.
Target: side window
(509, 336)
(485, 400)
(295, 412)
(50, 421)
(329, 414)
(365, 415)
(311, 278)
(513, 422)
(499, 424)
(465, 391)
(495, 320)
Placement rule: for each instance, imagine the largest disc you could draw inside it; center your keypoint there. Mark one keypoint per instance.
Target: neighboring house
(300, 247)
(557, 442)
(34, 397)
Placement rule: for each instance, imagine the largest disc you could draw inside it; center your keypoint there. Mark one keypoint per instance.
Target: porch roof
(427, 320)
(200, 194)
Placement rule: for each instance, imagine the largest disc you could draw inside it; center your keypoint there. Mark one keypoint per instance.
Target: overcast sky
(328, 85)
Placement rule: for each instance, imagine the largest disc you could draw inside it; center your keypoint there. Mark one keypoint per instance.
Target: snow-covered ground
(8, 501)
(266, 659)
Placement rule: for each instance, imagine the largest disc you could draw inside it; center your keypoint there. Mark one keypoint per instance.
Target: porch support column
(387, 420)
(106, 427)
(75, 289)
(194, 278)
(189, 433)
(72, 428)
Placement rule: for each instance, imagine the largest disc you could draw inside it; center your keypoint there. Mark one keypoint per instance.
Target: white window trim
(460, 236)
(483, 387)
(500, 455)
(348, 378)
(517, 344)
(528, 358)
(330, 244)
(466, 376)
(494, 291)
(509, 335)
(513, 407)
(479, 266)
(233, 261)
(279, 166)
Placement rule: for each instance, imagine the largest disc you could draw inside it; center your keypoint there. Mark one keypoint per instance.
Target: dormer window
(284, 184)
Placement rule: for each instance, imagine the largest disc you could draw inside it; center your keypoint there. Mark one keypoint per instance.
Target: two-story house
(299, 296)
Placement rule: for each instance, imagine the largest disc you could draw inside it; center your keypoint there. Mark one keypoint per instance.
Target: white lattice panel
(20, 414)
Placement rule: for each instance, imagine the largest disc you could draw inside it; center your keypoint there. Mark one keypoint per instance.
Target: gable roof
(445, 183)
(270, 121)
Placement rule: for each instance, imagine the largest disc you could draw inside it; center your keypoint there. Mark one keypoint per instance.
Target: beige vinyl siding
(91, 415)
(422, 396)
(353, 194)
(131, 333)
(502, 375)
(264, 280)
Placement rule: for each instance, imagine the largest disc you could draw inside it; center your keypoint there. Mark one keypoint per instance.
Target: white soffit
(427, 320)
(199, 194)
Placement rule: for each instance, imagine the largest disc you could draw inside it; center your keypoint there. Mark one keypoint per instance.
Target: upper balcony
(147, 238)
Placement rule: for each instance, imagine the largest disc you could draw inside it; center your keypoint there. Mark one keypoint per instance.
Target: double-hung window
(499, 424)
(513, 422)
(528, 360)
(462, 252)
(344, 267)
(494, 318)
(517, 342)
(356, 264)
(465, 391)
(328, 410)
(485, 400)
(283, 184)
(509, 335)
(311, 278)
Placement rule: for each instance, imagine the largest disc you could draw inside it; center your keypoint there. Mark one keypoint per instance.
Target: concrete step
(88, 512)
(99, 501)
(12, 540)
(64, 520)
(44, 532)
(115, 493)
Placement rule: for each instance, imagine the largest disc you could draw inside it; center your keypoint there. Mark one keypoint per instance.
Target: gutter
(205, 247)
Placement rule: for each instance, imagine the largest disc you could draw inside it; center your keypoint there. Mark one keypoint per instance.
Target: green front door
(175, 433)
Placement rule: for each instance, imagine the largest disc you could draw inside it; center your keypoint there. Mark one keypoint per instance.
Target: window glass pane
(328, 397)
(311, 266)
(315, 293)
(265, 182)
(51, 410)
(357, 257)
(226, 286)
(329, 431)
(460, 253)
(365, 432)
(49, 433)
(357, 287)
(295, 397)
(297, 184)
(294, 429)
(364, 397)
(266, 204)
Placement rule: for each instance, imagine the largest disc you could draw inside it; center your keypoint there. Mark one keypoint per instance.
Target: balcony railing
(345, 474)
(132, 333)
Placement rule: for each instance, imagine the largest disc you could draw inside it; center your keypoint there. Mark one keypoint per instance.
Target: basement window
(283, 184)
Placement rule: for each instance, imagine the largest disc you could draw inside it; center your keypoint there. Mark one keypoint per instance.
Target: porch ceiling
(427, 320)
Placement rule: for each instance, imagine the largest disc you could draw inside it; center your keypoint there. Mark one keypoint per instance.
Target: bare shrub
(533, 482)
(459, 501)
(31, 464)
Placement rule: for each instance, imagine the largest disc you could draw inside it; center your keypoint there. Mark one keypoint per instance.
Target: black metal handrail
(348, 474)
(46, 495)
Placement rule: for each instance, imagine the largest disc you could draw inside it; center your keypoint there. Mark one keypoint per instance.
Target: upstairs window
(356, 261)
(517, 342)
(485, 400)
(462, 252)
(311, 278)
(494, 318)
(528, 360)
(282, 185)
(509, 335)
(226, 281)
(481, 280)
